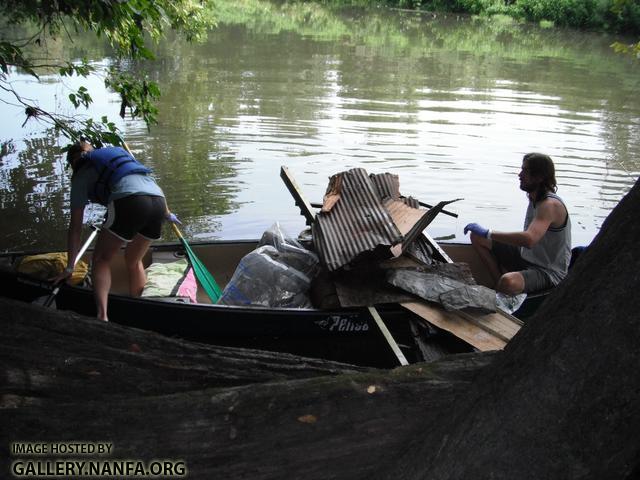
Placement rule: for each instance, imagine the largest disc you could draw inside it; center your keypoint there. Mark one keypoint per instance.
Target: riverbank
(614, 16)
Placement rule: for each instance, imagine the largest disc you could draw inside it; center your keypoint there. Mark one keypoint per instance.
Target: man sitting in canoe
(538, 257)
(136, 209)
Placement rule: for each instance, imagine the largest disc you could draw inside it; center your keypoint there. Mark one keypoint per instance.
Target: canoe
(342, 334)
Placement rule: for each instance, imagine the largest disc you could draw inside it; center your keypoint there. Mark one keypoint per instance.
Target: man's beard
(527, 188)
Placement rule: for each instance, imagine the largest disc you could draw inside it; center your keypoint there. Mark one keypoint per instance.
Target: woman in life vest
(136, 209)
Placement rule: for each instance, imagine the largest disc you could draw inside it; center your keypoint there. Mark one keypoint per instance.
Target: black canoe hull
(344, 335)
(347, 334)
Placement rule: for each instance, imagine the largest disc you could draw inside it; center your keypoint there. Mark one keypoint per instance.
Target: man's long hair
(541, 166)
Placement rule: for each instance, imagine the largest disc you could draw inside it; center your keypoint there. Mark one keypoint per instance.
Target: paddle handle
(81, 252)
(176, 230)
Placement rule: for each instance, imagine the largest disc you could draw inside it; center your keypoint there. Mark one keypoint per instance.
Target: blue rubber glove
(173, 218)
(477, 229)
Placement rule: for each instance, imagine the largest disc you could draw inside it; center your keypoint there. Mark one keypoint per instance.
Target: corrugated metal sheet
(388, 186)
(355, 224)
(366, 214)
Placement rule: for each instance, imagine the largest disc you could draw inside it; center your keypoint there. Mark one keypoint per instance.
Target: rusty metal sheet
(388, 186)
(356, 224)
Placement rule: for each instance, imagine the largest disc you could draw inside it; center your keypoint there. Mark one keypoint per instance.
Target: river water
(448, 103)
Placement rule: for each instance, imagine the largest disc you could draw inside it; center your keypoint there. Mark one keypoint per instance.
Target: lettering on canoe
(340, 323)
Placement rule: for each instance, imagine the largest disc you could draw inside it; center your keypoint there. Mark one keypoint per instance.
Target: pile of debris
(370, 238)
(368, 246)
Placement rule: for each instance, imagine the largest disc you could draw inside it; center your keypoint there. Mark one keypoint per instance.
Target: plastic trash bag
(510, 303)
(276, 274)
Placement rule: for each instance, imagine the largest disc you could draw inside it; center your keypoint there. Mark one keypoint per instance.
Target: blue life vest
(111, 163)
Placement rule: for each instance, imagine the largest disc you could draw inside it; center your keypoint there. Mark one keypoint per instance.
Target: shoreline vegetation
(612, 16)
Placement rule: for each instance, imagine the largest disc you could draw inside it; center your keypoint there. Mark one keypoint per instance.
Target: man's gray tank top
(553, 252)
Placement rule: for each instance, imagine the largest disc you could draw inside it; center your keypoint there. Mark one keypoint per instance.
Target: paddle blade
(202, 274)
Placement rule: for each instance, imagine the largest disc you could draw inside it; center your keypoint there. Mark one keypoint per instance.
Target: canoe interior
(221, 259)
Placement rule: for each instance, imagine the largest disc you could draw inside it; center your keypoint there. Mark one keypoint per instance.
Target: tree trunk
(562, 401)
(228, 413)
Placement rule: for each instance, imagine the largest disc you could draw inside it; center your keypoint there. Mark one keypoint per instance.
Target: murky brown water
(449, 104)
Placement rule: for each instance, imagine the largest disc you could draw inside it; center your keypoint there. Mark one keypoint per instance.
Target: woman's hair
(75, 151)
(541, 166)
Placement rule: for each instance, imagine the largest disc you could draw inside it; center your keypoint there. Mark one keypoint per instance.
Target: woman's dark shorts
(136, 214)
(510, 260)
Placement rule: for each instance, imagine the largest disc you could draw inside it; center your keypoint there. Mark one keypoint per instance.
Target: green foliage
(82, 69)
(127, 25)
(138, 95)
(632, 49)
(96, 133)
(574, 13)
(612, 15)
(626, 14)
(11, 55)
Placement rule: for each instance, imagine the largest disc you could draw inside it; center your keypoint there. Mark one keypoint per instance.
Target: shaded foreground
(562, 400)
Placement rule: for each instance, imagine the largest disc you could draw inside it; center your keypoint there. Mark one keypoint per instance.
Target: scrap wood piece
(460, 271)
(429, 349)
(471, 332)
(357, 225)
(296, 192)
(387, 335)
(500, 324)
(365, 286)
(433, 244)
(412, 221)
(332, 196)
(421, 251)
(404, 216)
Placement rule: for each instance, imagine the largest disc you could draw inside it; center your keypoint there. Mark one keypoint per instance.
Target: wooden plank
(437, 248)
(403, 216)
(459, 326)
(387, 335)
(495, 323)
(498, 324)
(294, 189)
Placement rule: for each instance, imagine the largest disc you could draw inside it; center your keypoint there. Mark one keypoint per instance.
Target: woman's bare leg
(133, 258)
(106, 247)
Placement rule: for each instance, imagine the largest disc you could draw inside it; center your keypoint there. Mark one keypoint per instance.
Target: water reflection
(448, 103)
